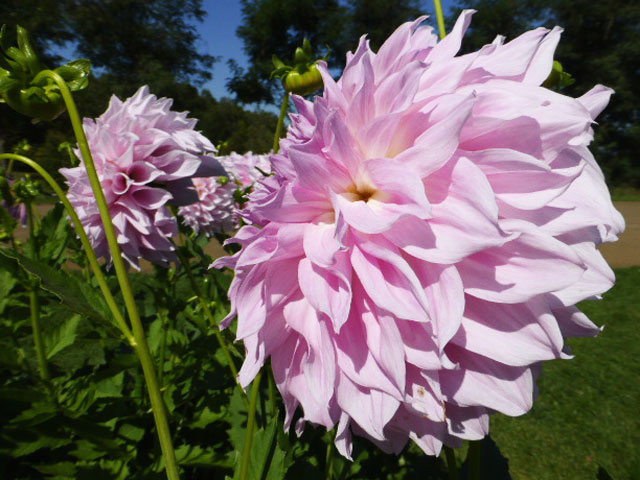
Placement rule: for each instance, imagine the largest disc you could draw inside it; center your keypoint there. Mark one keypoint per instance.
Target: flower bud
(303, 78)
(22, 85)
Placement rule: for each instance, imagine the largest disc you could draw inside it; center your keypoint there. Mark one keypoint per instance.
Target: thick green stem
(251, 422)
(34, 304)
(163, 346)
(272, 393)
(204, 303)
(474, 460)
(86, 243)
(452, 466)
(283, 113)
(328, 461)
(440, 17)
(141, 347)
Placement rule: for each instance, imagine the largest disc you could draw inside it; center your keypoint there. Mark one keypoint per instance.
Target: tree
(279, 26)
(600, 44)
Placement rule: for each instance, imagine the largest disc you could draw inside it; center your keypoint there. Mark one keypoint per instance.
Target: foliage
(276, 27)
(600, 44)
(129, 43)
(92, 418)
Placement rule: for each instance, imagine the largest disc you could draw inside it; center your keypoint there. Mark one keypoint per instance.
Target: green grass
(625, 194)
(588, 412)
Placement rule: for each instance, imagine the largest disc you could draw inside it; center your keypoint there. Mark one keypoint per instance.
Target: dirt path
(623, 253)
(626, 251)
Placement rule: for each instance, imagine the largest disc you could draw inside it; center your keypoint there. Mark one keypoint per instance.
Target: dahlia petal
(467, 423)
(150, 198)
(596, 99)
(521, 180)
(328, 291)
(484, 382)
(371, 410)
(527, 266)
(516, 335)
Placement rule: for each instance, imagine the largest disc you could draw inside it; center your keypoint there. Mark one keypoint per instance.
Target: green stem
(163, 346)
(272, 394)
(204, 303)
(34, 304)
(452, 466)
(283, 113)
(86, 243)
(141, 348)
(328, 461)
(474, 457)
(251, 421)
(440, 17)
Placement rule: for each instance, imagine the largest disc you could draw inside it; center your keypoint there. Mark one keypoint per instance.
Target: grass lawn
(588, 412)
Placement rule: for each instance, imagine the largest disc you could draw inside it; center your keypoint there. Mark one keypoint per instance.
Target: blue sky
(218, 38)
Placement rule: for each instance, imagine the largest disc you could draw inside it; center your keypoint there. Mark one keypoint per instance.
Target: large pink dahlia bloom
(146, 155)
(431, 224)
(216, 210)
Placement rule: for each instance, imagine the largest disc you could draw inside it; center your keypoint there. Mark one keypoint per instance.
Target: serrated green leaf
(110, 387)
(7, 282)
(207, 417)
(206, 457)
(54, 233)
(131, 432)
(65, 335)
(60, 469)
(85, 450)
(77, 295)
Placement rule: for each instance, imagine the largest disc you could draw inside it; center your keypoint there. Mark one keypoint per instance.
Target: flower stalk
(251, 422)
(141, 345)
(280, 125)
(440, 17)
(86, 243)
(452, 466)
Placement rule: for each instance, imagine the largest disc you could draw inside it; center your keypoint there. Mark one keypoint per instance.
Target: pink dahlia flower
(216, 210)
(146, 155)
(431, 224)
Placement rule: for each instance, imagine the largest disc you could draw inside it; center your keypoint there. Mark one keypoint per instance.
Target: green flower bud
(303, 78)
(24, 88)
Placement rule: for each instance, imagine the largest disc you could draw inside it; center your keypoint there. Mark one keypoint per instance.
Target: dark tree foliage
(379, 18)
(279, 26)
(129, 37)
(129, 43)
(43, 16)
(600, 45)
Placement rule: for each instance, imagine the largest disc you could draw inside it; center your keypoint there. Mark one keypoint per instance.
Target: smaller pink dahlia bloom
(217, 211)
(145, 155)
(432, 221)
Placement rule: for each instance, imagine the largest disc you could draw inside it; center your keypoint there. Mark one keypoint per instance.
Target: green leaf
(131, 432)
(61, 469)
(62, 337)
(196, 455)
(207, 417)
(7, 282)
(110, 386)
(77, 295)
(54, 233)
(76, 74)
